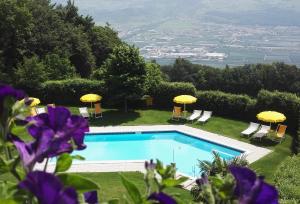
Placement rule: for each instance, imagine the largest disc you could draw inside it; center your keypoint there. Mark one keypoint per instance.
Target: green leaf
(8, 201)
(78, 157)
(114, 201)
(4, 166)
(132, 190)
(80, 183)
(7, 165)
(63, 162)
(169, 182)
(21, 132)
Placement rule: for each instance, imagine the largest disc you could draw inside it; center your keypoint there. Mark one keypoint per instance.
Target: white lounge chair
(84, 112)
(253, 127)
(205, 116)
(40, 110)
(262, 132)
(196, 114)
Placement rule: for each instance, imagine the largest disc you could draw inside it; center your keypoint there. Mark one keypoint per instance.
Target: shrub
(225, 104)
(166, 91)
(58, 68)
(295, 146)
(69, 91)
(283, 102)
(30, 74)
(287, 179)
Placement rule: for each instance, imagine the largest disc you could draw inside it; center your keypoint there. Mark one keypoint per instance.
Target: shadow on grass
(264, 142)
(177, 122)
(114, 117)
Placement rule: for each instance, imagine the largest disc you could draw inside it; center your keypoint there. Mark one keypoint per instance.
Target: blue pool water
(169, 147)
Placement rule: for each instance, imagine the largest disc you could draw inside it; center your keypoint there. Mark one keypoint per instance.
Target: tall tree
(16, 24)
(153, 77)
(125, 73)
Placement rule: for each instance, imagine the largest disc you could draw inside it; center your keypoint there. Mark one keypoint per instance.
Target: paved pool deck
(252, 152)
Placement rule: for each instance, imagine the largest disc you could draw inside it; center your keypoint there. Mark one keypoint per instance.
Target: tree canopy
(247, 79)
(125, 73)
(40, 28)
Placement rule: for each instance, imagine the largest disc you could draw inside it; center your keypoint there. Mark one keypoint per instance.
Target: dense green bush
(166, 91)
(69, 91)
(247, 79)
(283, 102)
(30, 74)
(58, 67)
(153, 77)
(225, 104)
(287, 180)
(295, 146)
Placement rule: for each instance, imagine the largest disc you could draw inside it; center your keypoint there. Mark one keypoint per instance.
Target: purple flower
(8, 91)
(150, 165)
(252, 189)
(203, 180)
(162, 198)
(91, 197)
(54, 133)
(48, 189)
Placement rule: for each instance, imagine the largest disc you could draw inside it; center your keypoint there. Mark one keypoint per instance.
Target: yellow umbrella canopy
(185, 99)
(35, 101)
(90, 98)
(271, 116)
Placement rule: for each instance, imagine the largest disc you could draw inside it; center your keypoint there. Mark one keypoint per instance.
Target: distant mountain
(134, 13)
(213, 32)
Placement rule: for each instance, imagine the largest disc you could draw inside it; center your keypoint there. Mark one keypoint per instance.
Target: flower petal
(68, 196)
(162, 198)
(48, 189)
(267, 195)
(245, 179)
(26, 151)
(58, 117)
(91, 197)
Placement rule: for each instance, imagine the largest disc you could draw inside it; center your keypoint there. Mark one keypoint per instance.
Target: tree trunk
(125, 105)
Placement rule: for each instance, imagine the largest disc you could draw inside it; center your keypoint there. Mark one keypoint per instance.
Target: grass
(112, 187)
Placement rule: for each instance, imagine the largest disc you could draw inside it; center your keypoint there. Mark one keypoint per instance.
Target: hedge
(225, 104)
(286, 103)
(166, 91)
(287, 180)
(68, 92)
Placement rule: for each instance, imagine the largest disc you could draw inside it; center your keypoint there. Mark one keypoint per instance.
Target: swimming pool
(170, 146)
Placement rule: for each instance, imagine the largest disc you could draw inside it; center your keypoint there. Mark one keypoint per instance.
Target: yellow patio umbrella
(271, 117)
(35, 101)
(185, 99)
(90, 98)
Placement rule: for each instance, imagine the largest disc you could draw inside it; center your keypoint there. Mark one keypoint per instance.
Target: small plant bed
(287, 180)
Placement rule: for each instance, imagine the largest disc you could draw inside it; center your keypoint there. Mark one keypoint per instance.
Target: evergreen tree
(295, 147)
(125, 72)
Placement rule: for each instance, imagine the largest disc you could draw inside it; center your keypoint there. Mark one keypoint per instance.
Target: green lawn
(111, 185)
